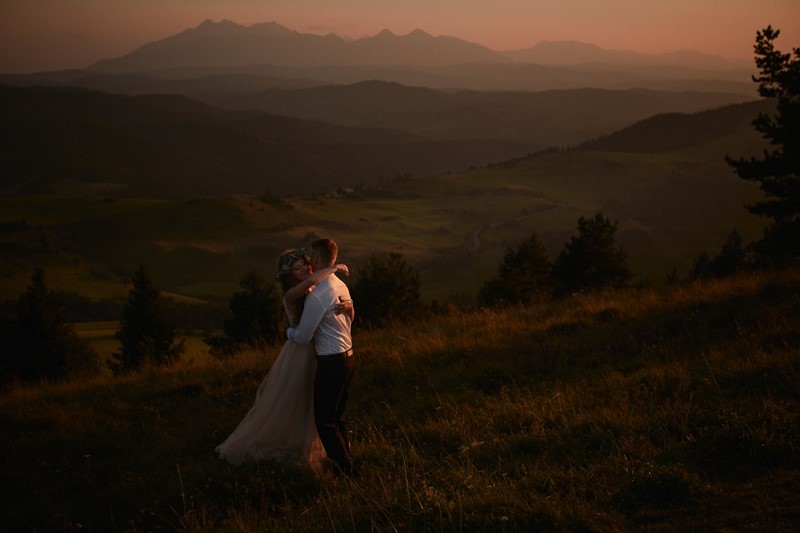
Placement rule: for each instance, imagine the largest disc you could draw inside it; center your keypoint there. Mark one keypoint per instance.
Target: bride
(280, 424)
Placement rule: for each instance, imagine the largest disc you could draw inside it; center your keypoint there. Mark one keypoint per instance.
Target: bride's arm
(345, 307)
(305, 286)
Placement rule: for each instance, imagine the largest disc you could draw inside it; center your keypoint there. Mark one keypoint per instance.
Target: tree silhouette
(522, 278)
(43, 344)
(256, 311)
(778, 170)
(591, 260)
(145, 332)
(386, 289)
(731, 259)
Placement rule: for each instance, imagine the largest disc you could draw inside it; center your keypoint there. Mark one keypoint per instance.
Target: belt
(344, 354)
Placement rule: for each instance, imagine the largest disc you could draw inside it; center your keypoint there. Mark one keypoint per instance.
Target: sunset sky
(38, 35)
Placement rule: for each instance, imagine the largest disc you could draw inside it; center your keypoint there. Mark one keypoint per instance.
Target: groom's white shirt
(331, 332)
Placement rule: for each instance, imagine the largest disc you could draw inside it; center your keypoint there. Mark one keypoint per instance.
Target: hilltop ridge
(419, 58)
(226, 43)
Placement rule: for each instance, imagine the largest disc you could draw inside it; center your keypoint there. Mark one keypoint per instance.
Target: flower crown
(287, 260)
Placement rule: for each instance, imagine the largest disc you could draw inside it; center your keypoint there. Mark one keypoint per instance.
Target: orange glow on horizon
(36, 35)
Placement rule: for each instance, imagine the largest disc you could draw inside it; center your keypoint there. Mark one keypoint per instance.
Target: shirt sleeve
(313, 312)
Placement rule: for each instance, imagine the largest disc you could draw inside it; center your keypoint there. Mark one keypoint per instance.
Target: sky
(45, 35)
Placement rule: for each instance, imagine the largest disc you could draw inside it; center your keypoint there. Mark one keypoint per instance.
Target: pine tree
(43, 344)
(731, 259)
(591, 260)
(145, 332)
(778, 170)
(522, 278)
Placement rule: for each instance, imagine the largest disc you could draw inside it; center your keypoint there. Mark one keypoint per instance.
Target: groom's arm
(313, 312)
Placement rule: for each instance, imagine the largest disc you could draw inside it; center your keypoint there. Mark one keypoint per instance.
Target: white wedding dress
(280, 425)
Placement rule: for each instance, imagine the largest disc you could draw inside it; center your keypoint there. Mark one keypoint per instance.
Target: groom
(334, 348)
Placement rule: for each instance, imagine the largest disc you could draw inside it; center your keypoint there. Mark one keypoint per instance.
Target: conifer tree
(731, 259)
(43, 344)
(145, 332)
(591, 260)
(778, 170)
(522, 278)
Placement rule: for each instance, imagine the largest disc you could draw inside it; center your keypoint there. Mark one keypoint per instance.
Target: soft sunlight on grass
(624, 410)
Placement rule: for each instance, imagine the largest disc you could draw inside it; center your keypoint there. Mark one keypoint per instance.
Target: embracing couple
(297, 414)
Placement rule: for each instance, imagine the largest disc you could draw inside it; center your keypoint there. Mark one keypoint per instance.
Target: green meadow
(454, 229)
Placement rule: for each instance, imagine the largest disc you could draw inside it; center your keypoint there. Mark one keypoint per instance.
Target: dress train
(280, 424)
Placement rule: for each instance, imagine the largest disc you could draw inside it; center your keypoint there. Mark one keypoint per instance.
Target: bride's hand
(341, 267)
(344, 306)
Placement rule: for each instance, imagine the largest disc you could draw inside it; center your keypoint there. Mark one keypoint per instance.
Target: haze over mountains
(360, 110)
(418, 59)
(227, 43)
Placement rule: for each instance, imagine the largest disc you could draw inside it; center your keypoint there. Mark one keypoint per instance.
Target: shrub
(522, 278)
(386, 288)
(731, 259)
(256, 316)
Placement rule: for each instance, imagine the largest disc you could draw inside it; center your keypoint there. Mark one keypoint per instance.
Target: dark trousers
(330, 398)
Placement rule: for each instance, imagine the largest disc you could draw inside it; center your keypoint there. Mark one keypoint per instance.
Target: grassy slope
(673, 409)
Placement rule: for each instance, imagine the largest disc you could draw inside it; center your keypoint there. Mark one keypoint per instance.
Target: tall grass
(666, 409)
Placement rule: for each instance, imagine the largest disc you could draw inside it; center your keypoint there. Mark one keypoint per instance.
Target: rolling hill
(673, 202)
(156, 145)
(169, 146)
(674, 131)
(548, 118)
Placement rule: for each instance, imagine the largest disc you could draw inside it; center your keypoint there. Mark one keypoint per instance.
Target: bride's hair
(284, 267)
(287, 281)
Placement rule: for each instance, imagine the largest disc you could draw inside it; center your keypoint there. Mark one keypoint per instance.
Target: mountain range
(230, 44)
(420, 59)
(223, 108)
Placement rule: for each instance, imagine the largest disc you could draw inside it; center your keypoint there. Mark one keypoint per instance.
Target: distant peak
(271, 27)
(386, 33)
(210, 24)
(418, 33)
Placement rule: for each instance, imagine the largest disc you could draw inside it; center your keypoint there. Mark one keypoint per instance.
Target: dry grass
(623, 411)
